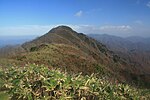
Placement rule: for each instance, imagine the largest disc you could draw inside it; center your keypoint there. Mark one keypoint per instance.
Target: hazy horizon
(73, 27)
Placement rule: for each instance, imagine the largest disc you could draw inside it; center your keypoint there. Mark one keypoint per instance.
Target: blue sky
(36, 17)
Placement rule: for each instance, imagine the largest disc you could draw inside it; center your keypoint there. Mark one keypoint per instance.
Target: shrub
(34, 82)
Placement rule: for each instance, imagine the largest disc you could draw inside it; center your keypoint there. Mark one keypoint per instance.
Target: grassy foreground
(33, 82)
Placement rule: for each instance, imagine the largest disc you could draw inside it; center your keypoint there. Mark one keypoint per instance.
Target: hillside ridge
(74, 52)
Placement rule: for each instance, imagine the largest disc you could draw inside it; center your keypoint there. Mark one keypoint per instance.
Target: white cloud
(139, 22)
(115, 28)
(84, 28)
(38, 30)
(79, 13)
(120, 30)
(25, 30)
(148, 4)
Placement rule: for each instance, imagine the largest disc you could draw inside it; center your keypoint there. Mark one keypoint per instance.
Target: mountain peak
(62, 27)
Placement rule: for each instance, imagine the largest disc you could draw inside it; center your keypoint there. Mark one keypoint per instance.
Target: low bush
(34, 82)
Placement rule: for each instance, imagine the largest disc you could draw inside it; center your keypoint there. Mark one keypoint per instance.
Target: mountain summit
(65, 35)
(65, 28)
(75, 51)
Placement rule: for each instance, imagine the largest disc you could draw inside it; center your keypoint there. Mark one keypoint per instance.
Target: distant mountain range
(135, 49)
(116, 43)
(14, 40)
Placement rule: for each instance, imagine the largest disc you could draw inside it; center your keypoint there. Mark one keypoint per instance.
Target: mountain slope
(65, 57)
(65, 35)
(93, 52)
(135, 50)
